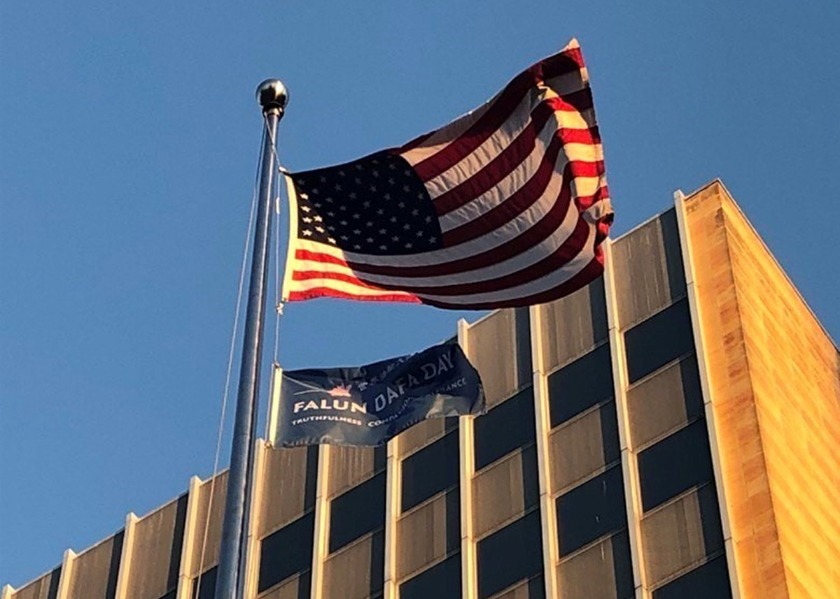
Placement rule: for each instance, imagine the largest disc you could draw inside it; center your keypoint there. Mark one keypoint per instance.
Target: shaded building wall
(503, 536)
(586, 522)
(773, 373)
(673, 510)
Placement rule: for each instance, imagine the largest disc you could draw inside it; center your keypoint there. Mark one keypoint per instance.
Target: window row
(590, 511)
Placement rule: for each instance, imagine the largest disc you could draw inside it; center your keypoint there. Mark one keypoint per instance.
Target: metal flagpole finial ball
(272, 95)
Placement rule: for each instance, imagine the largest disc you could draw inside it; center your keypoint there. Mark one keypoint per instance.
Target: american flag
(506, 206)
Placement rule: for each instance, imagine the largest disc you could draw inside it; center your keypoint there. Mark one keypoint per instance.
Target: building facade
(670, 431)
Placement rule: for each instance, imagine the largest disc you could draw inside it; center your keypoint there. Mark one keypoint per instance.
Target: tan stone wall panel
(356, 571)
(648, 269)
(45, 587)
(574, 325)
(659, 405)
(590, 572)
(426, 527)
(423, 433)
(156, 551)
(94, 572)
(673, 536)
(577, 449)
(350, 466)
(503, 333)
(505, 490)
(214, 532)
(289, 486)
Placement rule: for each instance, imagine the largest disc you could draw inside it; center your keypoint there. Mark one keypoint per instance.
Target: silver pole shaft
(273, 97)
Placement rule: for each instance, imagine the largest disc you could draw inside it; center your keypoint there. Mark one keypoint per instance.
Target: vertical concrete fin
(126, 557)
(393, 482)
(66, 575)
(274, 404)
(184, 580)
(629, 466)
(548, 515)
(252, 554)
(705, 385)
(469, 575)
(322, 508)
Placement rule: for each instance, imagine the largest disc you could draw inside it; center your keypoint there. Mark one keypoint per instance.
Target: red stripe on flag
(591, 136)
(308, 275)
(316, 292)
(318, 257)
(584, 203)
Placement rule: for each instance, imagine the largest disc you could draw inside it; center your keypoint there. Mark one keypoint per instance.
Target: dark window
(54, 578)
(441, 581)
(357, 512)
(529, 477)
(711, 580)
(380, 458)
(623, 566)
(535, 586)
(663, 337)
(509, 555)
(286, 552)
(207, 588)
(430, 471)
(710, 519)
(591, 510)
(609, 432)
(580, 385)
(452, 506)
(508, 426)
(675, 464)
(376, 572)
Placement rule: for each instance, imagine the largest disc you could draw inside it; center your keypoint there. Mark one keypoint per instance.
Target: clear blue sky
(128, 141)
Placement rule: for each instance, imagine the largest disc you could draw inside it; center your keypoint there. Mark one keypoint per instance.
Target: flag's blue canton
(375, 205)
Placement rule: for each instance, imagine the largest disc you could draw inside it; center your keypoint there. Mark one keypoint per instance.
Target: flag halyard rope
(225, 393)
(279, 301)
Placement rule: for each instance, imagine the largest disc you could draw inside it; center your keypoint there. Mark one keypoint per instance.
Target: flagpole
(273, 97)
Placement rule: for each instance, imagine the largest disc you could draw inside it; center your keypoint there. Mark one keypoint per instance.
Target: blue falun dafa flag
(368, 405)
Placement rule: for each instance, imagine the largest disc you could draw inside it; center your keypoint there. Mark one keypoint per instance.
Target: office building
(670, 431)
